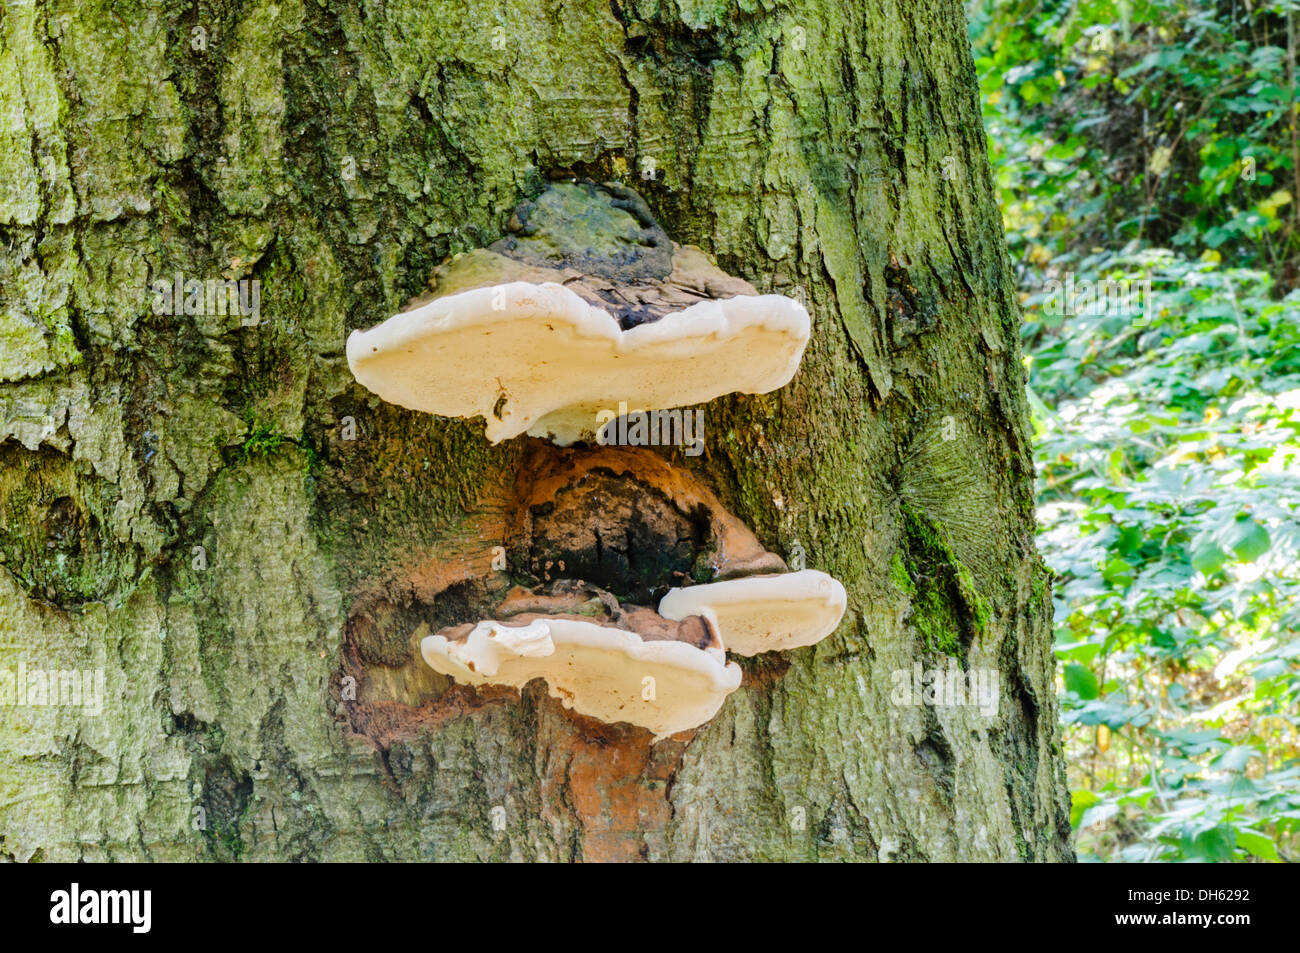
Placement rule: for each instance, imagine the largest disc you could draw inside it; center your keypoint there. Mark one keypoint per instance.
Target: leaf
(1252, 542)
(1097, 814)
(1236, 758)
(1117, 572)
(1080, 801)
(1208, 558)
(1270, 669)
(1081, 652)
(1214, 845)
(1256, 844)
(1081, 681)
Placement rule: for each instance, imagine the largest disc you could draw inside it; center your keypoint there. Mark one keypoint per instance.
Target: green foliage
(1169, 461)
(1168, 438)
(1169, 121)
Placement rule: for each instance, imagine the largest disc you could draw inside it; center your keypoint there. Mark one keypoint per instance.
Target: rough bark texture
(337, 152)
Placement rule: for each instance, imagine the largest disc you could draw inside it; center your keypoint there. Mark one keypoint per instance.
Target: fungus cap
(596, 670)
(765, 613)
(540, 359)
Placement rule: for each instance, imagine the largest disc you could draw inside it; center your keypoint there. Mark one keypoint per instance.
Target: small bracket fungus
(764, 613)
(586, 305)
(597, 670)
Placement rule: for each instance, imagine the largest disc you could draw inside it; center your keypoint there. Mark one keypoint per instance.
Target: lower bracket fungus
(602, 671)
(556, 578)
(586, 306)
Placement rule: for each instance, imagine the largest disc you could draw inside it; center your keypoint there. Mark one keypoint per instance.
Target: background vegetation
(1159, 139)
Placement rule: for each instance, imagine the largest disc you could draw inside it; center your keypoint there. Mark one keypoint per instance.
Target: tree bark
(181, 507)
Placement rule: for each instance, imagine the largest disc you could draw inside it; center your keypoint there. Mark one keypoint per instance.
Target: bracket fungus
(765, 613)
(618, 579)
(586, 304)
(601, 671)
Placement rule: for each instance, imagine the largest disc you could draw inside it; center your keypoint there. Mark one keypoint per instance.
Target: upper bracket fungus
(586, 304)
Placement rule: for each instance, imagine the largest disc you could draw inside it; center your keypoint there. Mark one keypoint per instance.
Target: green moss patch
(947, 611)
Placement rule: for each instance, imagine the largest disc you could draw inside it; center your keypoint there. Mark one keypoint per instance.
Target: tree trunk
(184, 506)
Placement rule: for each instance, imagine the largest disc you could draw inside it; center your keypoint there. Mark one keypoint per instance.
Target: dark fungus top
(602, 243)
